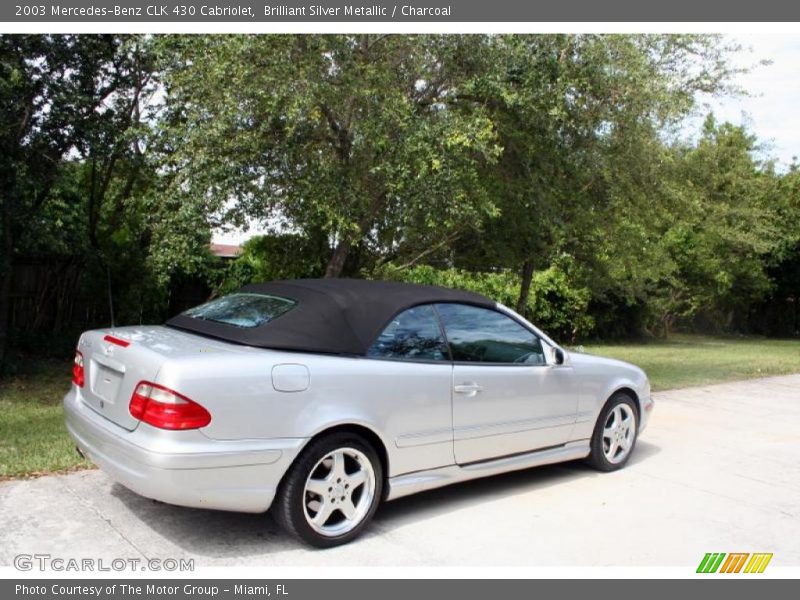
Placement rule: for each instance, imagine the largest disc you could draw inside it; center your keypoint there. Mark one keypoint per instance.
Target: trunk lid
(117, 360)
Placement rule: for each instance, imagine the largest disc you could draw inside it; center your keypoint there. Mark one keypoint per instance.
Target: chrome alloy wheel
(339, 492)
(619, 432)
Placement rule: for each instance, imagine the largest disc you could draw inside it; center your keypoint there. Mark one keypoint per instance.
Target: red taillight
(77, 370)
(115, 340)
(161, 407)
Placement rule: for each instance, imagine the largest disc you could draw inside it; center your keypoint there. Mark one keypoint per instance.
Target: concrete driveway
(718, 469)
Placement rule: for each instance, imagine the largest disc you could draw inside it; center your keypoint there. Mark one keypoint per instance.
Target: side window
(412, 335)
(482, 335)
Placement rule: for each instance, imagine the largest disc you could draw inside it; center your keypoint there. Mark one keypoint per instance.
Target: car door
(507, 397)
(412, 370)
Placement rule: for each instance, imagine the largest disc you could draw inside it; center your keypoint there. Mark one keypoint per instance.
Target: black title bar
(255, 11)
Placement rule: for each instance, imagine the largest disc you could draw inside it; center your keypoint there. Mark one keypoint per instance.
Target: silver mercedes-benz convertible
(320, 398)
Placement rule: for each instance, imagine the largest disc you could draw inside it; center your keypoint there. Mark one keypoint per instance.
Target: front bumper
(182, 467)
(647, 404)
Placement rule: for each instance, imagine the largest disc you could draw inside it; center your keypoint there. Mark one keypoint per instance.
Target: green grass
(689, 360)
(33, 440)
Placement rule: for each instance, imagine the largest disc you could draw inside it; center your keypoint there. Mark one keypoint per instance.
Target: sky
(771, 110)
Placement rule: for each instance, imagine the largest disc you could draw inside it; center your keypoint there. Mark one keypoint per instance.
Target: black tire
(597, 458)
(289, 506)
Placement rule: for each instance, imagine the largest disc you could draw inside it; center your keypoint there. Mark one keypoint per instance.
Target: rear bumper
(182, 467)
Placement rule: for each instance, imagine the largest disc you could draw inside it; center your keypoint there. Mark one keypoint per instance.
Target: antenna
(110, 297)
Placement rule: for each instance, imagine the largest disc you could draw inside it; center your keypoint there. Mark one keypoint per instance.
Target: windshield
(242, 310)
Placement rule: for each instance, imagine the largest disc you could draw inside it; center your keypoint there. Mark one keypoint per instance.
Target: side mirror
(558, 356)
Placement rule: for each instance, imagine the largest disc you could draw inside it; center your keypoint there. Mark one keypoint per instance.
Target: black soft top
(338, 316)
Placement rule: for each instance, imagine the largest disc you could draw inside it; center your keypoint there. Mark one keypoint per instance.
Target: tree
(76, 122)
(728, 230)
(348, 138)
(43, 93)
(579, 118)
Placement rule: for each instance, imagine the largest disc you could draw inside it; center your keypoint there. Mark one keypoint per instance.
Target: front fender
(599, 379)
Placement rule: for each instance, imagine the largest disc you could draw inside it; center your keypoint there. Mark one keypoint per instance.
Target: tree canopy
(552, 172)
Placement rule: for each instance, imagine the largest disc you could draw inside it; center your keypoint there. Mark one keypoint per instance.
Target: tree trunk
(525, 288)
(6, 271)
(339, 256)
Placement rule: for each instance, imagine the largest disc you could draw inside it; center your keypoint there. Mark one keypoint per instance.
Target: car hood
(581, 358)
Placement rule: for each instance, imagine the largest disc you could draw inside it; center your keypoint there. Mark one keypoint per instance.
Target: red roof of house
(226, 250)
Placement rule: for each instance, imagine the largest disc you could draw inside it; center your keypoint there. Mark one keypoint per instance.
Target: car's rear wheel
(614, 436)
(331, 492)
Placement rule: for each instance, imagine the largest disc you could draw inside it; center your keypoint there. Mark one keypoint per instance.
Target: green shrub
(273, 257)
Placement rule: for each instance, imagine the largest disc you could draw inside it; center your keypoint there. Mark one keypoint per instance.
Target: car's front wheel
(331, 492)
(614, 434)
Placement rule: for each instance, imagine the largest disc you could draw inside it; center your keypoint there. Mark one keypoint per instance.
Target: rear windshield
(242, 310)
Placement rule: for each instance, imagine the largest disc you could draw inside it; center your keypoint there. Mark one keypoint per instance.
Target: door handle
(467, 388)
